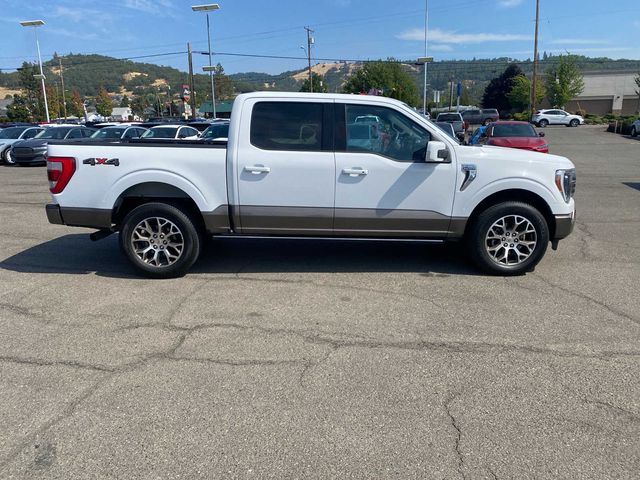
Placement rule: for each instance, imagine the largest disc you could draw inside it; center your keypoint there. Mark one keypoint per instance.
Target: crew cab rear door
(384, 188)
(286, 167)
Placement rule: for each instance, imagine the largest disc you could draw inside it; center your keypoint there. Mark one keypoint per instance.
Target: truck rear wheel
(160, 240)
(509, 238)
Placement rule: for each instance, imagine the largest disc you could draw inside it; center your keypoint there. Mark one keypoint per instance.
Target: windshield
(53, 133)
(513, 130)
(449, 117)
(109, 133)
(160, 132)
(12, 132)
(216, 131)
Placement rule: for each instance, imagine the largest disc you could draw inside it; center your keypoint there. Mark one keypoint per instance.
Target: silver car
(635, 128)
(11, 135)
(555, 116)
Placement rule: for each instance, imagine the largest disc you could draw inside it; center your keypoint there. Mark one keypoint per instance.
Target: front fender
(469, 199)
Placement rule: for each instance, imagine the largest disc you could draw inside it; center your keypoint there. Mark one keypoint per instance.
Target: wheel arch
(517, 195)
(148, 192)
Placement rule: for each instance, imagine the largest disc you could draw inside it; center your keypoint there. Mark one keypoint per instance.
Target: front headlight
(566, 183)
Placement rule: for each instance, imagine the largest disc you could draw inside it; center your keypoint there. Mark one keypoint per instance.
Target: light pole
(424, 61)
(36, 24)
(208, 8)
(426, 26)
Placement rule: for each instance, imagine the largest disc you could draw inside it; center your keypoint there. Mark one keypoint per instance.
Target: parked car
(285, 173)
(11, 135)
(216, 131)
(514, 134)
(480, 116)
(635, 128)
(447, 128)
(455, 119)
(123, 132)
(171, 132)
(554, 116)
(34, 151)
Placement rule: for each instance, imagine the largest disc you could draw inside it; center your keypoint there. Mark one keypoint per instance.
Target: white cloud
(156, 7)
(442, 36)
(509, 3)
(440, 48)
(579, 41)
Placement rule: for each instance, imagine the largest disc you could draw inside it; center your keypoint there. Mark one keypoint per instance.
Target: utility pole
(310, 42)
(64, 99)
(535, 62)
(451, 94)
(193, 93)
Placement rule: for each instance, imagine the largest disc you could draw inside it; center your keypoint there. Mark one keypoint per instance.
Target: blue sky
(344, 29)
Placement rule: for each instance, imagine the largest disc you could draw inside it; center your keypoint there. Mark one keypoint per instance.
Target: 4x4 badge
(101, 161)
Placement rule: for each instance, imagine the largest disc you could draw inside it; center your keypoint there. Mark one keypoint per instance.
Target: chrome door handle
(257, 169)
(354, 172)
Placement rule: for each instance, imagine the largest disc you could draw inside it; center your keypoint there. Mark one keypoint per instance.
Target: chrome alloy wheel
(157, 242)
(511, 240)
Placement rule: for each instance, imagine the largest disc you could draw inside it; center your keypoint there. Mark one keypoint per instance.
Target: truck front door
(286, 167)
(384, 188)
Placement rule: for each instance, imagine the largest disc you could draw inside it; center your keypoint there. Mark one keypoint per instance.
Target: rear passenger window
(287, 126)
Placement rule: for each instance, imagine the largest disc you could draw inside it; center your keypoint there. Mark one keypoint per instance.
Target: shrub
(581, 112)
(521, 116)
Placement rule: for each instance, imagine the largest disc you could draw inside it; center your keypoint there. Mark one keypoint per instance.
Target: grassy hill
(87, 73)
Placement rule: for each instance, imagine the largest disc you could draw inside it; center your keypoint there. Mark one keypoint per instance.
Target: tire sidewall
(543, 123)
(634, 132)
(6, 157)
(487, 218)
(190, 235)
(574, 123)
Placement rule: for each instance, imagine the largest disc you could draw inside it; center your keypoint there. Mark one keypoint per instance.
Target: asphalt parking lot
(291, 359)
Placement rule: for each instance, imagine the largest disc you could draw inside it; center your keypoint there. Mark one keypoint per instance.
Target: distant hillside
(88, 73)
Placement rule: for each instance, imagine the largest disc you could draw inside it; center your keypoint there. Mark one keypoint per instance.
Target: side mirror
(541, 134)
(437, 153)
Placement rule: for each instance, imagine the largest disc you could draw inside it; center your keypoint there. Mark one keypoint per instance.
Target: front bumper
(564, 225)
(39, 158)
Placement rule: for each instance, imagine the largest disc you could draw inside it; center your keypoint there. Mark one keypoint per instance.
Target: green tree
(125, 101)
(138, 105)
(18, 110)
(387, 77)
(495, 95)
(104, 106)
(519, 95)
(223, 84)
(317, 82)
(564, 81)
(75, 104)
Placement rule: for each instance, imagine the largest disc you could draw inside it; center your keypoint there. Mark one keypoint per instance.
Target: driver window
(385, 132)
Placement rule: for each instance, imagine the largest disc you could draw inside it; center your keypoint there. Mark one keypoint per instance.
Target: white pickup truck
(301, 165)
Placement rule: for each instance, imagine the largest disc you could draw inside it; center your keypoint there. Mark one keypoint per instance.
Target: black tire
(179, 236)
(481, 238)
(543, 123)
(486, 121)
(574, 123)
(633, 131)
(7, 158)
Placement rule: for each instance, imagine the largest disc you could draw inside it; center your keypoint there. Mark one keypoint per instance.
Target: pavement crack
(311, 365)
(584, 239)
(235, 363)
(607, 307)
(492, 473)
(54, 363)
(458, 434)
(619, 411)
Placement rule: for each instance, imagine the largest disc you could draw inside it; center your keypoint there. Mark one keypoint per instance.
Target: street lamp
(208, 8)
(41, 77)
(424, 61)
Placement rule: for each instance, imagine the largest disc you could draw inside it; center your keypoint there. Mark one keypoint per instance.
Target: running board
(332, 239)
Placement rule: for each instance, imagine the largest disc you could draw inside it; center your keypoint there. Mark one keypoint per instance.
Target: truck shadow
(76, 254)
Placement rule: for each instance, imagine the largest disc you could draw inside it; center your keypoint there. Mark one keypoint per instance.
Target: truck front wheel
(509, 238)
(160, 240)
